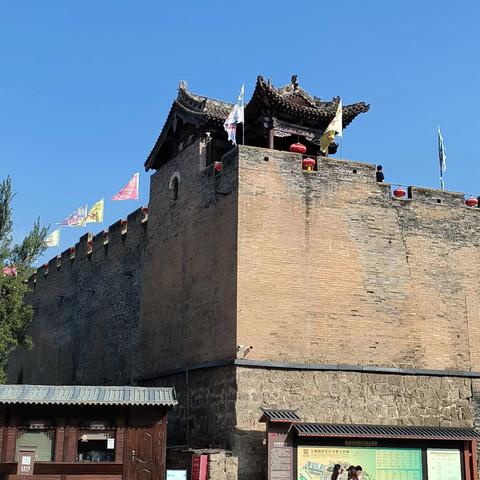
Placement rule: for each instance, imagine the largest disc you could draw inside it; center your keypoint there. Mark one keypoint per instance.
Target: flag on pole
(95, 215)
(442, 158)
(129, 191)
(10, 271)
(334, 128)
(53, 240)
(76, 218)
(236, 116)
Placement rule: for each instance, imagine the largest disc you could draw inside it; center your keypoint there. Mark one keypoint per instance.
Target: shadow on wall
(251, 451)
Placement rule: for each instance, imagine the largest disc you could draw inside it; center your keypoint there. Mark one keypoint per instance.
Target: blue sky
(86, 86)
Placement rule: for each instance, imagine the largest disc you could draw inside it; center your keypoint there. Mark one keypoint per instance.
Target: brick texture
(332, 270)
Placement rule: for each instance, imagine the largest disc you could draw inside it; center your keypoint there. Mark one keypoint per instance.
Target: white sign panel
(176, 475)
(444, 464)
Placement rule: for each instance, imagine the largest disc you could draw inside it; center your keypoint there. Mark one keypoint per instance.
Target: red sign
(26, 460)
(199, 467)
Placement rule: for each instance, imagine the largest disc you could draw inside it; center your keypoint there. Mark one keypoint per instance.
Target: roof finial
(295, 81)
(182, 85)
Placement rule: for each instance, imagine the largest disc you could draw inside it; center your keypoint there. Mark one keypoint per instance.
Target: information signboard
(317, 463)
(444, 464)
(176, 475)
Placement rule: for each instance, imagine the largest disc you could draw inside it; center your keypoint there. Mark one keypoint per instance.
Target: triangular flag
(129, 191)
(53, 240)
(10, 271)
(75, 219)
(95, 215)
(334, 128)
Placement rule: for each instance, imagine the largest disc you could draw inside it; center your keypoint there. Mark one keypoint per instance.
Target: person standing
(379, 174)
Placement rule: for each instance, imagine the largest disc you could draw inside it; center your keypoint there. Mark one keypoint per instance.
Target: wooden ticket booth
(83, 432)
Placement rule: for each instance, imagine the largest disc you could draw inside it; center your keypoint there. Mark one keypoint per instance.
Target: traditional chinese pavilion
(274, 118)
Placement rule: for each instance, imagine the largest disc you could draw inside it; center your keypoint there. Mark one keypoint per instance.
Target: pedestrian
(337, 472)
(379, 173)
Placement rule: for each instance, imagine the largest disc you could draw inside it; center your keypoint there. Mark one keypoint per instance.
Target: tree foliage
(15, 314)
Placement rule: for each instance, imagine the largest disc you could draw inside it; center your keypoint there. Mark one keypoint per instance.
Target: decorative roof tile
(385, 431)
(87, 395)
(279, 416)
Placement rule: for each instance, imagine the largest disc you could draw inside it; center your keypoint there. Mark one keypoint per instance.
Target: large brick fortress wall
(344, 274)
(360, 308)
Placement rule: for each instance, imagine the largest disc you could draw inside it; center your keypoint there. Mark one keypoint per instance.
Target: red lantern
(298, 148)
(399, 192)
(218, 166)
(308, 164)
(471, 202)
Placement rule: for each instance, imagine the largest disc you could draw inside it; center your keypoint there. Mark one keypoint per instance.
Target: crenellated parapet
(100, 244)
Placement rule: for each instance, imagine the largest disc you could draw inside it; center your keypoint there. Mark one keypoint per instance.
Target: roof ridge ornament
(295, 82)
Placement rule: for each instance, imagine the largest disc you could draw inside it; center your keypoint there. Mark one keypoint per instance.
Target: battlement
(342, 170)
(97, 245)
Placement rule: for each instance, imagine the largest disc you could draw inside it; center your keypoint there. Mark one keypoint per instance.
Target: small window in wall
(40, 441)
(174, 185)
(95, 446)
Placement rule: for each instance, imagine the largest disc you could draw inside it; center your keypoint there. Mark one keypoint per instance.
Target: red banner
(199, 467)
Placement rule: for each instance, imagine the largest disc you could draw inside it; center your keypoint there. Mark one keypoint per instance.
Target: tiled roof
(87, 395)
(311, 108)
(283, 416)
(385, 431)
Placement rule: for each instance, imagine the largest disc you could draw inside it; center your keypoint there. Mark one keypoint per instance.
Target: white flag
(236, 116)
(53, 240)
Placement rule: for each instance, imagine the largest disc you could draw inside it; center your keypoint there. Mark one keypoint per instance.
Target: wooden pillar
(473, 460)
(271, 138)
(70, 444)
(3, 423)
(11, 438)
(59, 442)
(120, 437)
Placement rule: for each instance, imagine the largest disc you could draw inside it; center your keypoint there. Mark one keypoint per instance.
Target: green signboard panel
(317, 463)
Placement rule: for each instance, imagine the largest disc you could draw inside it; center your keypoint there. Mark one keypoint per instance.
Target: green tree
(15, 314)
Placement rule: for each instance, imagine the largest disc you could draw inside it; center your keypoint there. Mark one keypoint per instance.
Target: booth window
(41, 441)
(96, 446)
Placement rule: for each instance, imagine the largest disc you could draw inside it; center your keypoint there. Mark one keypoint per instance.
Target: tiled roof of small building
(384, 431)
(282, 416)
(87, 395)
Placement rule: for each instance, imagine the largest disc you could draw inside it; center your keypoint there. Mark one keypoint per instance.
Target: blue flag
(442, 157)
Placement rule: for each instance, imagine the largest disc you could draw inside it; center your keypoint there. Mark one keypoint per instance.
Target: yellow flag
(334, 128)
(95, 215)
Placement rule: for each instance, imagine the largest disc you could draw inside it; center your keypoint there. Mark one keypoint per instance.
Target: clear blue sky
(86, 86)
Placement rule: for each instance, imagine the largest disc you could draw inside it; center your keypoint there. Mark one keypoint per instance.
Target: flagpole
(243, 110)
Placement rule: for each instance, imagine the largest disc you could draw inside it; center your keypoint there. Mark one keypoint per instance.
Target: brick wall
(332, 270)
(86, 312)
(189, 280)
